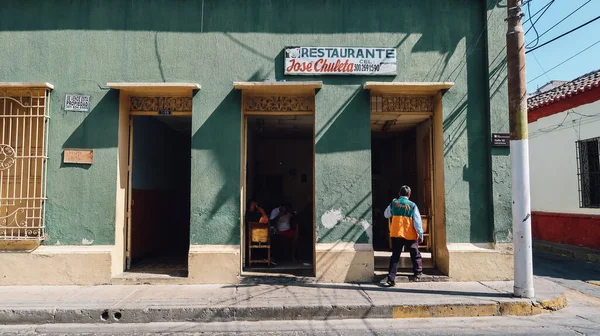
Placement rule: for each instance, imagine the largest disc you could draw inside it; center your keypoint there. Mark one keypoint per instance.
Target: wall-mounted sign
(77, 102)
(501, 139)
(81, 156)
(340, 61)
(164, 112)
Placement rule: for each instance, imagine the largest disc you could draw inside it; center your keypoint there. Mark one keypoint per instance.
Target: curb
(575, 252)
(518, 307)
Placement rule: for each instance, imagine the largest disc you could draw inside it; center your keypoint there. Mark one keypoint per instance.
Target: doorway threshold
(261, 278)
(135, 278)
(406, 275)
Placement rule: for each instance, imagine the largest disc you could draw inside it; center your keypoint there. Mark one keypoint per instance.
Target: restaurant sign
(340, 61)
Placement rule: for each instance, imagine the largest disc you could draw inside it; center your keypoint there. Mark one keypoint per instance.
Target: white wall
(552, 158)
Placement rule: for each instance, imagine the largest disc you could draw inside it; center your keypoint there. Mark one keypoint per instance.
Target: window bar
(22, 211)
(3, 142)
(46, 111)
(35, 169)
(29, 168)
(15, 148)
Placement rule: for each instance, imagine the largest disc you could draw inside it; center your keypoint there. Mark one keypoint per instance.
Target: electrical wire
(537, 38)
(536, 13)
(546, 130)
(563, 62)
(538, 62)
(559, 22)
(550, 129)
(562, 35)
(537, 35)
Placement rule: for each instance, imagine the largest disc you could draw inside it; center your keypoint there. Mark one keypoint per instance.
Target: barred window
(588, 172)
(23, 155)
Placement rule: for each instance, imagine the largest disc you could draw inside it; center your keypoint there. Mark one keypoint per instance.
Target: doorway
(401, 154)
(160, 166)
(279, 177)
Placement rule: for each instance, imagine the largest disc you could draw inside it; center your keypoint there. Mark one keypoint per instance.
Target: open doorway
(279, 178)
(401, 154)
(160, 159)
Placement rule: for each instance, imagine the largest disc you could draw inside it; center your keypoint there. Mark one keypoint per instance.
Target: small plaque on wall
(77, 103)
(501, 140)
(81, 156)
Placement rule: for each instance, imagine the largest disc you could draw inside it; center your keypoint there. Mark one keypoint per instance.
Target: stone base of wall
(220, 264)
(57, 265)
(570, 229)
(480, 262)
(344, 262)
(216, 264)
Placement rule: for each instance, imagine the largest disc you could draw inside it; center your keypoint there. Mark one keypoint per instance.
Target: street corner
(595, 283)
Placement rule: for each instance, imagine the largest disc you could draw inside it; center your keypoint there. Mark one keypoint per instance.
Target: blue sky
(558, 51)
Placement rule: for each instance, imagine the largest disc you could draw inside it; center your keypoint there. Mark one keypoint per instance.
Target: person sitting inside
(255, 213)
(281, 218)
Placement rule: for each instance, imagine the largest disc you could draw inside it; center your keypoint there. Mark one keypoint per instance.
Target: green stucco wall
(79, 46)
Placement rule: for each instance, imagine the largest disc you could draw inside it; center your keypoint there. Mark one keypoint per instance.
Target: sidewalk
(224, 303)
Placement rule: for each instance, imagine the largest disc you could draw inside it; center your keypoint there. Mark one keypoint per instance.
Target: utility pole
(519, 151)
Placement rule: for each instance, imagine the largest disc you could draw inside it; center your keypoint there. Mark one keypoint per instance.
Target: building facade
(565, 181)
(144, 128)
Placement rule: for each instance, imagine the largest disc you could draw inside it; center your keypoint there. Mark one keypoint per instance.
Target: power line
(538, 62)
(537, 36)
(559, 22)
(536, 13)
(567, 33)
(565, 61)
(536, 20)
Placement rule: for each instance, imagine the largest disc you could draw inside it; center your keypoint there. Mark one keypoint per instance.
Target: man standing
(406, 233)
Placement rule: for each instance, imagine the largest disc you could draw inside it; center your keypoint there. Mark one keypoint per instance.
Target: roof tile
(577, 86)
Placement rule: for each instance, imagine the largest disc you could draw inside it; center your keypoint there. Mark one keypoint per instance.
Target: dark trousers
(415, 256)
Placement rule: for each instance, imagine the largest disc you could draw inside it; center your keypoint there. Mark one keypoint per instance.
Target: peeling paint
(332, 217)
(87, 242)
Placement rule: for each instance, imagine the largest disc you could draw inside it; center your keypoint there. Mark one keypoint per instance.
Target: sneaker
(390, 283)
(416, 277)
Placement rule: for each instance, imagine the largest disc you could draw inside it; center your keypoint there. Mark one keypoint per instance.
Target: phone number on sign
(367, 67)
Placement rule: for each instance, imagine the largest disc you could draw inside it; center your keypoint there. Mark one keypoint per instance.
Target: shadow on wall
(215, 147)
(469, 116)
(92, 132)
(215, 144)
(338, 204)
(209, 16)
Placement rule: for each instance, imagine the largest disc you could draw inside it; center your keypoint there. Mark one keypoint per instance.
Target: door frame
(434, 90)
(244, 171)
(126, 91)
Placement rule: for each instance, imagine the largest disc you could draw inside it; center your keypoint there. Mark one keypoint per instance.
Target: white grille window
(23, 154)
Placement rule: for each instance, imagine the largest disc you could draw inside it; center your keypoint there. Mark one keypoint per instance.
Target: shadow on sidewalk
(376, 288)
(555, 266)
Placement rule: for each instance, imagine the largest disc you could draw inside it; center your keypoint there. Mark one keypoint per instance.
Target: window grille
(588, 172)
(23, 155)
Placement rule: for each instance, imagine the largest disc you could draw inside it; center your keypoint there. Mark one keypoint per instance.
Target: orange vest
(402, 225)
